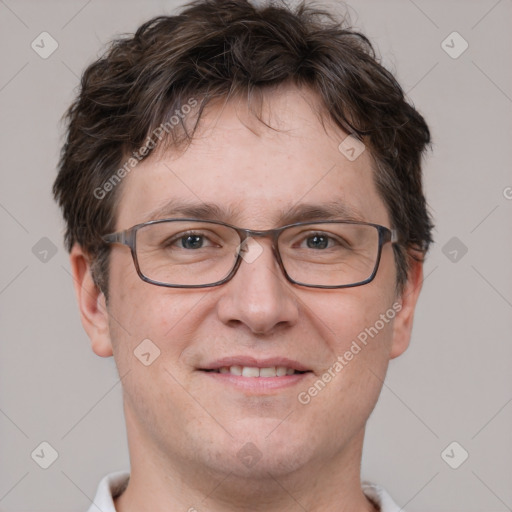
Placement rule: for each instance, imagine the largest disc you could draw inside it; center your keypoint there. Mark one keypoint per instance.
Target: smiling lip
(251, 362)
(256, 375)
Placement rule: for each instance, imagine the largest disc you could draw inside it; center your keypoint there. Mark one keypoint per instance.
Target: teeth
(248, 371)
(251, 371)
(268, 372)
(281, 371)
(235, 370)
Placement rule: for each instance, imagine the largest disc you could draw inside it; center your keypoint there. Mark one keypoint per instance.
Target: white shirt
(114, 484)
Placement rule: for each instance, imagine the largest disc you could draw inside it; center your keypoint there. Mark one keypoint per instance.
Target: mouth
(256, 376)
(256, 372)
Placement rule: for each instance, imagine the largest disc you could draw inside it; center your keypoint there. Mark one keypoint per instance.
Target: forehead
(257, 174)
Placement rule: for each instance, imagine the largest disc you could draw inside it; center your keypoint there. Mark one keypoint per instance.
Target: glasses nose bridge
(273, 234)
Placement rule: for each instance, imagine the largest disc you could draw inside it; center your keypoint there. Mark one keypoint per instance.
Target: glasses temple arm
(121, 237)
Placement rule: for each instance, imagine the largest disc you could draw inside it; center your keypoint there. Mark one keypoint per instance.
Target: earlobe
(91, 303)
(403, 323)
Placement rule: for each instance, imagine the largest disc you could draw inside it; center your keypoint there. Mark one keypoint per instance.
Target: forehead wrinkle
(331, 210)
(193, 209)
(231, 214)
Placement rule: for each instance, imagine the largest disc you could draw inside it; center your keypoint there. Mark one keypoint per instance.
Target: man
(246, 223)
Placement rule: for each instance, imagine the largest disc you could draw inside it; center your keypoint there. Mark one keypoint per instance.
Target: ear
(91, 302)
(402, 326)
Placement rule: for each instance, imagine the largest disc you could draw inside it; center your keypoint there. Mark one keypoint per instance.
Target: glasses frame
(128, 237)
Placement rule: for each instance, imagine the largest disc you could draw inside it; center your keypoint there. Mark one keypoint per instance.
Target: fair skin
(186, 426)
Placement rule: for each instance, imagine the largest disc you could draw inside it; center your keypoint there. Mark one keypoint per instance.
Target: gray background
(454, 383)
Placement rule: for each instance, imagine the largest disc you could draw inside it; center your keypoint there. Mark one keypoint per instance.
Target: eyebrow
(304, 212)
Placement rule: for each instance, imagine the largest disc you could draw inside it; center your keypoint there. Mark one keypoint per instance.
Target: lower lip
(258, 384)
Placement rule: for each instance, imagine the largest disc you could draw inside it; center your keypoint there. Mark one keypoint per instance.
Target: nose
(258, 296)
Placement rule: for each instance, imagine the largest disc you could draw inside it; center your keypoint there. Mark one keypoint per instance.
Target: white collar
(113, 484)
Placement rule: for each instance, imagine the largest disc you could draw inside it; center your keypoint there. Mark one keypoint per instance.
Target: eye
(318, 242)
(188, 241)
(321, 241)
(192, 241)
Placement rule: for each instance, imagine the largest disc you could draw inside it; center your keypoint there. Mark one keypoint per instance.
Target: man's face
(183, 414)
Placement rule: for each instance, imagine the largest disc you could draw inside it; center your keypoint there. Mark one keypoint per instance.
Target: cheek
(145, 318)
(149, 333)
(362, 313)
(358, 327)
(361, 350)
(346, 391)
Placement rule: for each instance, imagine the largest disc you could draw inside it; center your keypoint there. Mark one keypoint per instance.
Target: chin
(262, 447)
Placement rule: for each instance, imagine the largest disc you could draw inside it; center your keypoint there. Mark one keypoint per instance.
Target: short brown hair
(215, 49)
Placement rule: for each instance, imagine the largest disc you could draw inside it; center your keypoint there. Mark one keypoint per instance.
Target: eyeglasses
(191, 253)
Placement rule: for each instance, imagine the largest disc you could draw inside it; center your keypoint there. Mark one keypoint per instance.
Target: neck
(160, 483)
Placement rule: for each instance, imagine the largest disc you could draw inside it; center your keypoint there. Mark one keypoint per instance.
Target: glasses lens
(186, 253)
(330, 254)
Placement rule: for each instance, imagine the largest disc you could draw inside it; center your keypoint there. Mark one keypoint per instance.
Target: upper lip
(255, 363)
